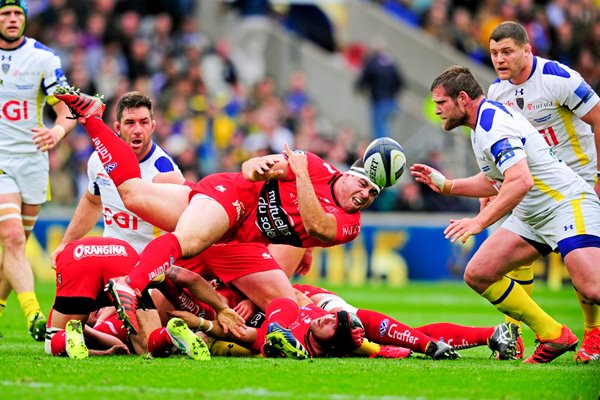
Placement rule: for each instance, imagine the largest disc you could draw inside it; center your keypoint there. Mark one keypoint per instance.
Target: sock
(385, 330)
(29, 305)
(58, 344)
(2, 306)
(524, 277)
(118, 158)
(367, 348)
(458, 336)
(160, 343)
(229, 349)
(154, 260)
(283, 311)
(510, 298)
(591, 316)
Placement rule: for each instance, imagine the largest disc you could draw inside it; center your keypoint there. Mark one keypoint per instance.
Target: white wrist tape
(438, 179)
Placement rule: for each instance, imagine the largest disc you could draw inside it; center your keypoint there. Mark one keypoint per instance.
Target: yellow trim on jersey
(39, 100)
(578, 215)
(567, 117)
(538, 183)
(156, 232)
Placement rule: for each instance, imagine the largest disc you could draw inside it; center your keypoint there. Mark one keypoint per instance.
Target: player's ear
(527, 48)
(117, 127)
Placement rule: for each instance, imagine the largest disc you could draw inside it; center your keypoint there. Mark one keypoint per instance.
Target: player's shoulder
(492, 114)
(39, 48)
(550, 69)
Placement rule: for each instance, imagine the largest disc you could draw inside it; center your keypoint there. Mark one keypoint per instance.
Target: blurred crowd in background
(212, 114)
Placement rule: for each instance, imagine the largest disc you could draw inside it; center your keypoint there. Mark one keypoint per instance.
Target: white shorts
(572, 217)
(25, 174)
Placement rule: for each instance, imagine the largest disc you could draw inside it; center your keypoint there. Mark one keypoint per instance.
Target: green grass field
(26, 372)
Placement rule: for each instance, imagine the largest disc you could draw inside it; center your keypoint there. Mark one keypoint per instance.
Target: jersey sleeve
(348, 227)
(502, 143)
(92, 170)
(572, 90)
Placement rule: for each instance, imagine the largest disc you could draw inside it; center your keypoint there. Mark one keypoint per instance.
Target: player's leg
(16, 269)
(590, 345)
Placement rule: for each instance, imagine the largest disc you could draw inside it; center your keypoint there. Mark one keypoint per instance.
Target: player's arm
(593, 119)
(203, 291)
(318, 223)
(86, 215)
(47, 138)
(264, 168)
(473, 186)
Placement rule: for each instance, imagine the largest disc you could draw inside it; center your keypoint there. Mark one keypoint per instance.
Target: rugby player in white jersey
(553, 205)
(135, 124)
(29, 75)
(566, 111)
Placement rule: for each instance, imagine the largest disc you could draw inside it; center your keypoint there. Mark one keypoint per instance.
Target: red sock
(154, 260)
(118, 159)
(160, 343)
(383, 329)
(458, 336)
(58, 344)
(284, 311)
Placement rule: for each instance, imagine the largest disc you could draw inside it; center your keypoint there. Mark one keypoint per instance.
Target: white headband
(361, 173)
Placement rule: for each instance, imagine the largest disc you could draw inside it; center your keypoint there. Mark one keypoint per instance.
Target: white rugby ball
(384, 161)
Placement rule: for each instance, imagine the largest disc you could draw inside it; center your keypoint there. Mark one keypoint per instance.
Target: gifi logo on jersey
(14, 110)
(121, 219)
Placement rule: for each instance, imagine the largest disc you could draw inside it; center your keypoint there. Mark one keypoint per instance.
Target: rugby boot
(186, 340)
(441, 351)
(282, 343)
(37, 326)
(548, 350)
(504, 341)
(75, 345)
(82, 106)
(124, 298)
(590, 347)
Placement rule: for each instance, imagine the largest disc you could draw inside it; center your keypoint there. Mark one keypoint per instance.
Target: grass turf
(27, 372)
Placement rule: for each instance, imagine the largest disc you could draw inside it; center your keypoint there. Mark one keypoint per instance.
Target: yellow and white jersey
(28, 75)
(503, 137)
(553, 100)
(119, 222)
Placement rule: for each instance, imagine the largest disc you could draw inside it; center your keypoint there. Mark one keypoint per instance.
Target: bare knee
(13, 235)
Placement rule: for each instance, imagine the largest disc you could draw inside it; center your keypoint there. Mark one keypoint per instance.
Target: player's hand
(55, 254)
(44, 138)
(297, 160)
(431, 177)
(245, 309)
(462, 229)
(305, 263)
(262, 169)
(230, 321)
(485, 201)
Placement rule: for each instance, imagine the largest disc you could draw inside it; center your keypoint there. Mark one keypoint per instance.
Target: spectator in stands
(382, 78)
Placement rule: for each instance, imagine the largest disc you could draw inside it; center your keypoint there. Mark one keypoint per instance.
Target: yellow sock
(229, 349)
(591, 316)
(2, 306)
(524, 277)
(367, 348)
(29, 304)
(511, 299)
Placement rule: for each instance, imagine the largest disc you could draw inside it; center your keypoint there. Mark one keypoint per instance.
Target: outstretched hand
(297, 160)
(462, 229)
(230, 321)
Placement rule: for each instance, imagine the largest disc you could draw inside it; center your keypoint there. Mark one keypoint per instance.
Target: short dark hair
(458, 79)
(133, 100)
(510, 30)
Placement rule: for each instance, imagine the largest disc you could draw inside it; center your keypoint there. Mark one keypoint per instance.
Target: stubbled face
(354, 193)
(452, 113)
(510, 60)
(323, 328)
(136, 127)
(12, 23)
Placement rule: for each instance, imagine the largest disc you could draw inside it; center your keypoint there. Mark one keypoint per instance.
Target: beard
(452, 123)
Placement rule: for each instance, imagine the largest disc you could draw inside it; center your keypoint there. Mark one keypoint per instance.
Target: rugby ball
(384, 161)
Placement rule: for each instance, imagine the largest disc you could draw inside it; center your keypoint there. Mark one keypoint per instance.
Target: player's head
(451, 91)
(13, 14)
(135, 122)
(339, 333)
(510, 51)
(354, 190)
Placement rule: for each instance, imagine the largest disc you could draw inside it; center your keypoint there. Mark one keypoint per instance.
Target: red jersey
(267, 212)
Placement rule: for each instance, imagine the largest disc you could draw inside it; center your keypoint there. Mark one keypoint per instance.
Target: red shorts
(86, 265)
(238, 196)
(231, 260)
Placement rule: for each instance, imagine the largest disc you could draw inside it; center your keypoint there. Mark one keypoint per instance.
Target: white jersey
(28, 75)
(503, 137)
(119, 222)
(553, 99)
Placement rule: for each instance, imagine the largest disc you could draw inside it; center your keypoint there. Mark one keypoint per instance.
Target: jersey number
(549, 136)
